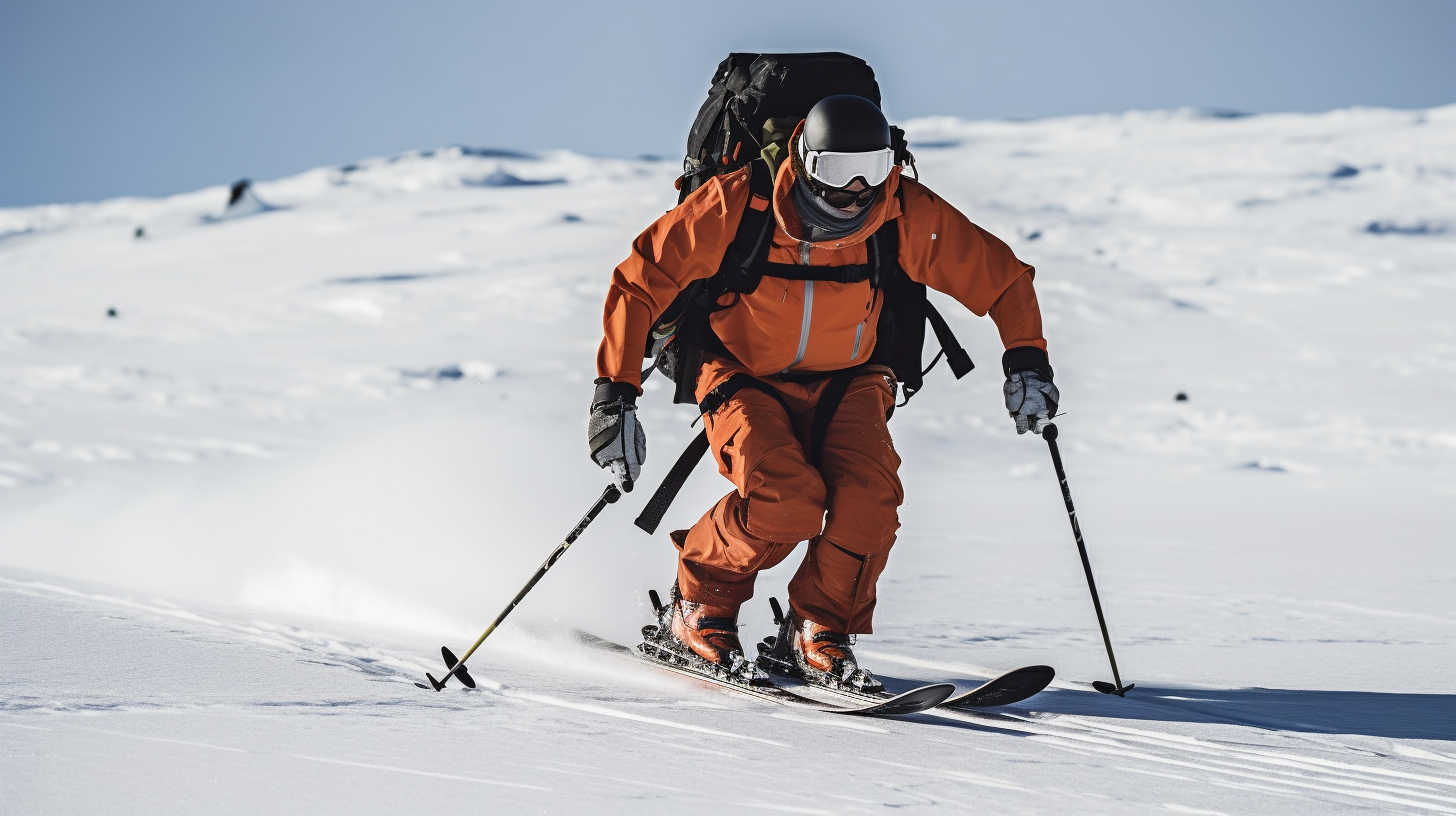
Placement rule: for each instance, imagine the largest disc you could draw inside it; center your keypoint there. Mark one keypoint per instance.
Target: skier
(771, 357)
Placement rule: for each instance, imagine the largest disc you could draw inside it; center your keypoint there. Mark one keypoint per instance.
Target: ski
(1011, 687)
(656, 654)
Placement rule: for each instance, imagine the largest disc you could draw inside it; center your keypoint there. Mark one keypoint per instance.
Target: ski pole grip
(1049, 433)
(619, 472)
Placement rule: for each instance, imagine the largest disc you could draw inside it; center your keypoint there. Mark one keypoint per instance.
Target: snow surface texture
(238, 517)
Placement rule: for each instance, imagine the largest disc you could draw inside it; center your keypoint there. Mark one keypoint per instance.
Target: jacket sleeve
(682, 246)
(942, 249)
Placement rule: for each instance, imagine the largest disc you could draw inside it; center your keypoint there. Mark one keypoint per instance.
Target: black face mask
(821, 220)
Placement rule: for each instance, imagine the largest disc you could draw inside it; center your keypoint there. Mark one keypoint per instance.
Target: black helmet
(853, 133)
(845, 123)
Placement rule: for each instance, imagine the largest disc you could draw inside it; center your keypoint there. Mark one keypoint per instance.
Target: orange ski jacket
(805, 326)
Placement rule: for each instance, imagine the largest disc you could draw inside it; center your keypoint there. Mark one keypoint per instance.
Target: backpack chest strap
(746, 261)
(883, 249)
(850, 273)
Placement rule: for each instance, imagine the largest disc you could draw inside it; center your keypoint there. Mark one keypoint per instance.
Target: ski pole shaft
(610, 495)
(1049, 433)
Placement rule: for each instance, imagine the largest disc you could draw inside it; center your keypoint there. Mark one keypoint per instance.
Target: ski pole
(1049, 433)
(457, 667)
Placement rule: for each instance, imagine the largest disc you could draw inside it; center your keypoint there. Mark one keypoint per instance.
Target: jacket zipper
(808, 309)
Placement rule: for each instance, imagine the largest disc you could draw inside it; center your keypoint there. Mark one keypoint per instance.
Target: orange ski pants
(847, 508)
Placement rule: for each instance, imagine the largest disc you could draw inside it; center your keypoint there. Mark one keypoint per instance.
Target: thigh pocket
(730, 457)
(726, 430)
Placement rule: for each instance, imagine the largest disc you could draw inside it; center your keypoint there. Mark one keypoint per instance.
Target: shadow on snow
(1370, 713)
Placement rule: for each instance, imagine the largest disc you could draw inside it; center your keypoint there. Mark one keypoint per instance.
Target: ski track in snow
(238, 518)
(1339, 770)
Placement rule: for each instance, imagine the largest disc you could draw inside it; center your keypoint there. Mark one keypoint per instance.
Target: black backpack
(756, 102)
(754, 105)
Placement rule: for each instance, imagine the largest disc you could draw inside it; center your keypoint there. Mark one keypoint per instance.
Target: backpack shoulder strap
(742, 266)
(884, 253)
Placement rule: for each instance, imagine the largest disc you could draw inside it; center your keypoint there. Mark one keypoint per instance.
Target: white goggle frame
(839, 169)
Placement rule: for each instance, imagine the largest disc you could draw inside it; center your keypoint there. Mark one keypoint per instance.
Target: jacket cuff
(609, 392)
(1026, 358)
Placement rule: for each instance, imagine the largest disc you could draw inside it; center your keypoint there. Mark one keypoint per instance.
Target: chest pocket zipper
(859, 330)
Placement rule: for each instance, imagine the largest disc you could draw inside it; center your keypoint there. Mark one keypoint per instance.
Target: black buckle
(712, 402)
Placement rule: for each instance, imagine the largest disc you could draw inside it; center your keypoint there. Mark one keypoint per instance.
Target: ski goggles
(840, 169)
(844, 199)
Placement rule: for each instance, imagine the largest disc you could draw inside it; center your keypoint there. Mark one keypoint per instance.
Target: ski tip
(939, 692)
(778, 611)
(913, 701)
(1011, 687)
(656, 602)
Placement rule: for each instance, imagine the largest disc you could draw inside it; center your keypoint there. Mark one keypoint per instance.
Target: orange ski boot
(825, 656)
(710, 631)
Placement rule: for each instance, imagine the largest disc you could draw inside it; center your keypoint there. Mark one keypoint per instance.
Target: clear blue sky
(99, 99)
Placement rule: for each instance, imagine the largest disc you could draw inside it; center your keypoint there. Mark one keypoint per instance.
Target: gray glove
(615, 438)
(1031, 399)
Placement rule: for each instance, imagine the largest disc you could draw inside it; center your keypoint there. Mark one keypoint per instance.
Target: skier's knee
(863, 524)
(787, 514)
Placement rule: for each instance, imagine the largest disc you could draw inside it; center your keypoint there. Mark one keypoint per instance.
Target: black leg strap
(719, 396)
(829, 401)
(656, 507)
(677, 476)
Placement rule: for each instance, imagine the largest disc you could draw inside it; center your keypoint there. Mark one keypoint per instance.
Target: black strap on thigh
(677, 476)
(719, 396)
(824, 412)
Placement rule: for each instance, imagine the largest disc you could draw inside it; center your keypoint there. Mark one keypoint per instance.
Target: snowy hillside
(315, 443)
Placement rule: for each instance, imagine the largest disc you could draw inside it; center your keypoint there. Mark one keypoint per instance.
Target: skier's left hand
(1031, 400)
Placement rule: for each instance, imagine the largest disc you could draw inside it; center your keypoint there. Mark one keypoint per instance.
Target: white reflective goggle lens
(839, 169)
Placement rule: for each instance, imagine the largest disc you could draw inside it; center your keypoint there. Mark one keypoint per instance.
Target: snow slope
(238, 518)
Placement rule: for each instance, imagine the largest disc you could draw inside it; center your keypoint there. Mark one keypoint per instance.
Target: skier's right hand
(615, 438)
